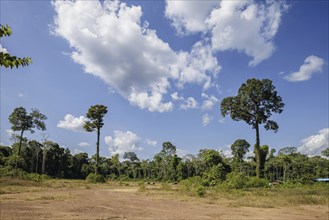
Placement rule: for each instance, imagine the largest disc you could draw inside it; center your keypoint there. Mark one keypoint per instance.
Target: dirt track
(130, 204)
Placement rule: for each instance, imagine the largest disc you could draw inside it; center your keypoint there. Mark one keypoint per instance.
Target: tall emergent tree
(254, 104)
(21, 121)
(95, 115)
(6, 59)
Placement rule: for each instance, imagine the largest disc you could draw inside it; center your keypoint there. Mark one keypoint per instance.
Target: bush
(21, 174)
(194, 186)
(95, 178)
(142, 187)
(255, 182)
(200, 190)
(236, 180)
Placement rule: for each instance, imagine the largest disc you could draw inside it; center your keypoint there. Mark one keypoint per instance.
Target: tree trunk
(36, 166)
(97, 151)
(44, 158)
(284, 172)
(257, 152)
(19, 150)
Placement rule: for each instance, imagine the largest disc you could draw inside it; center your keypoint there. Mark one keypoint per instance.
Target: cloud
(84, 144)
(185, 104)
(181, 153)
(77, 151)
(189, 103)
(312, 65)
(195, 64)
(3, 50)
(189, 18)
(209, 102)
(245, 26)
(314, 144)
(206, 119)
(10, 132)
(151, 142)
(110, 41)
(22, 95)
(150, 102)
(175, 97)
(123, 142)
(72, 123)
(221, 120)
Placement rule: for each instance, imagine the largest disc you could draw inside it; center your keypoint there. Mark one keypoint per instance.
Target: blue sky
(163, 67)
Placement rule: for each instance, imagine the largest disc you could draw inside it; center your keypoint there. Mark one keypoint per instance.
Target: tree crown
(22, 121)
(254, 104)
(95, 115)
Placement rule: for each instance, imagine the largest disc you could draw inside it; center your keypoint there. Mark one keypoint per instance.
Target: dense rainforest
(210, 165)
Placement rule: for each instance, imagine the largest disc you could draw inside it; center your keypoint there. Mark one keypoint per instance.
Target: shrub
(36, 177)
(236, 180)
(255, 182)
(21, 174)
(200, 190)
(95, 178)
(193, 186)
(142, 187)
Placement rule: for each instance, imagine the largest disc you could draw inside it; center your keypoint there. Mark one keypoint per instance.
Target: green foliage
(95, 178)
(214, 175)
(200, 190)
(95, 115)
(254, 182)
(21, 174)
(193, 186)
(20, 120)
(240, 181)
(236, 180)
(325, 152)
(8, 60)
(5, 30)
(239, 149)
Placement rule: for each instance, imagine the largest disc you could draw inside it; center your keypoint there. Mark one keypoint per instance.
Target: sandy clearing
(130, 204)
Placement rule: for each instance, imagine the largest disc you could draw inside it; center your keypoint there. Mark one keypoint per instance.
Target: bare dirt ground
(130, 203)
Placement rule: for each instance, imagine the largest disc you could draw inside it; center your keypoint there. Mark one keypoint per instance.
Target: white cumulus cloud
(77, 151)
(314, 144)
(181, 152)
(206, 119)
(311, 65)
(72, 123)
(188, 17)
(151, 142)
(84, 144)
(209, 102)
(123, 142)
(245, 26)
(189, 103)
(10, 132)
(185, 103)
(112, 43)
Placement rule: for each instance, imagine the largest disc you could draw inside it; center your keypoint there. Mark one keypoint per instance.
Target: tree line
(211, 165)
